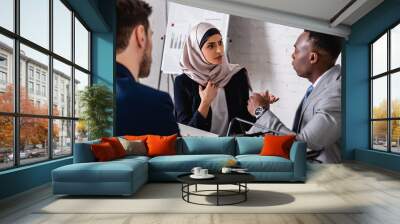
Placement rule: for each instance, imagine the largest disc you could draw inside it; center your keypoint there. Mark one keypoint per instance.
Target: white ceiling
(324, 16)
(320, 9)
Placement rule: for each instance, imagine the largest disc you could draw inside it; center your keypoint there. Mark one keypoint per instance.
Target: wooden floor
(378, 188)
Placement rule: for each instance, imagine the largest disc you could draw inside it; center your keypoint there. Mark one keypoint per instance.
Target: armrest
(83, 152)
(298, 157)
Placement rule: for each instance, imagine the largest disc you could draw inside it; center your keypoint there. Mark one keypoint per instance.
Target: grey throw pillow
(135, 147)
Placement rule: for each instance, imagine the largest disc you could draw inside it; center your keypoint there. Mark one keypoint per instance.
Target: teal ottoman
(119, 177)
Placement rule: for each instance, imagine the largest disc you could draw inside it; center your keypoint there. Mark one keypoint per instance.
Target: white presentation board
(181, 19)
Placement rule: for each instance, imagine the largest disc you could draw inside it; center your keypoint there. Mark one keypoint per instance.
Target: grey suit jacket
(320, 120)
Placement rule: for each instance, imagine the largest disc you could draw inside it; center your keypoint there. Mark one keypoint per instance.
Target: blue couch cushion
(185, 163)
(206, 145)
(111, 171)
(257, 163)
(132, 158)
(249, 145)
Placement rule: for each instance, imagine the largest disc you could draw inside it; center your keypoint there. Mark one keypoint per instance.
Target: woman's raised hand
(208, 94)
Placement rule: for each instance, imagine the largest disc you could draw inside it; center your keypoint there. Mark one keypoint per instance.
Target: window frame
(388, 74)
(16, 115)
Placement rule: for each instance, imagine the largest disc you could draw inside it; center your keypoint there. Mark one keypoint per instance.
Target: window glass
(6, 142)
(6, 74)
(35, 21)
(81, 45)
(62, 29)
(39, 61)
(379, 135)
(395, 47)
(395, 95)
(62, 92)
(395, 136)
(379, 56)
(62, 138)
(379, 97)
(81, 81)
(7, 14)
(33, 140)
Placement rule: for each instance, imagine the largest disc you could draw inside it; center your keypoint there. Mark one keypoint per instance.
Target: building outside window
(3, 61)
(3, 72)
(3, 78)
(43, 77)
(30, 72)
(43, 90)
(55, 98)
(30, 87)
(38, 89)
(37, 75)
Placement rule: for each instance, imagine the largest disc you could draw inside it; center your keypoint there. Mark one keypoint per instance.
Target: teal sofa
(125, 176)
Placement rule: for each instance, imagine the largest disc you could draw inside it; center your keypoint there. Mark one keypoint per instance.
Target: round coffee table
(238, 179)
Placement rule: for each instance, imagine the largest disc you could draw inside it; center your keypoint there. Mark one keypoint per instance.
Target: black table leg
(245, 193)
(217, 194)
(188, 189)
(182, 190)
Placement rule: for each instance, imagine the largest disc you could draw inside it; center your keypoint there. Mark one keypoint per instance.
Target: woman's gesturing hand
(208, 94)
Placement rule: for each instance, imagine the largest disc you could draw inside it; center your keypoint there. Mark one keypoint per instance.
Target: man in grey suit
(318, 117)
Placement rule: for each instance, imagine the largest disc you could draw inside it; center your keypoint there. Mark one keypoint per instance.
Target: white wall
(158, 25)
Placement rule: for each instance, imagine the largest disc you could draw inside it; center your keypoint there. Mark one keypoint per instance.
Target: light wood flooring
(378, 188)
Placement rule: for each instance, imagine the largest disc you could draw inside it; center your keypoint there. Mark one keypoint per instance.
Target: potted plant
(96, 103)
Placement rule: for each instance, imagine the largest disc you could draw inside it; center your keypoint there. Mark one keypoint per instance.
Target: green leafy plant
(96, 102)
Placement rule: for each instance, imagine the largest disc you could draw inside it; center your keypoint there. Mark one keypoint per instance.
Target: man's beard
(145, 65)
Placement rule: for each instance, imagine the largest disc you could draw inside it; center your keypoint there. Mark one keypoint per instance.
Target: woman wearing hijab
(211, 91)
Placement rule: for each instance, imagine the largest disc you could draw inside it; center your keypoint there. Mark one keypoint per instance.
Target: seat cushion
(206, 145)
(249, 145)
(132, 160)
(257, 163)
(111, 171)
(185, 163)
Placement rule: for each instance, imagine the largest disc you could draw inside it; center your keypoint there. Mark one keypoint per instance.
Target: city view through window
(43, 68)
(385, 91)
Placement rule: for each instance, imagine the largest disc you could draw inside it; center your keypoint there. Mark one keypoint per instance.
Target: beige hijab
(194, 64)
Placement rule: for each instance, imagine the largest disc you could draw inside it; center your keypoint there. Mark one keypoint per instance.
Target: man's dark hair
(329, 43)
(130, 13)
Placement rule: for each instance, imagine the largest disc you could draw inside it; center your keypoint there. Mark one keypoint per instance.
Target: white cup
(196, 170)
(203, 172)
(226, 170)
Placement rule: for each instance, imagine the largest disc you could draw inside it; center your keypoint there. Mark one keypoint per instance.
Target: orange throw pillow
(161, 145)
(116, 145)
(103, 152)
(277, 145)
(134, 137)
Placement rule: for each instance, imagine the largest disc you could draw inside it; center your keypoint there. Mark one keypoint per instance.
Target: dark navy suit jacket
(187, 101)
(141, 109)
